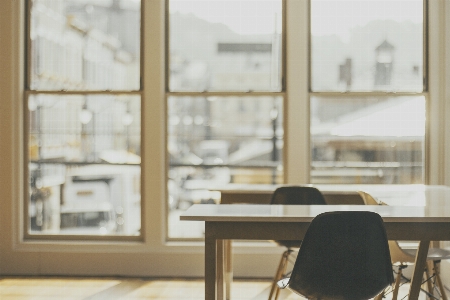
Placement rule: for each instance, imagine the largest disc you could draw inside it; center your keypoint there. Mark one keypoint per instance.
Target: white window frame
(153, 256)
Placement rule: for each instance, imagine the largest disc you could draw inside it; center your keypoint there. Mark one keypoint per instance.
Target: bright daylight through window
(367, 100)
(219, 132)
(84, 129)
(225, 104)
(367, 83)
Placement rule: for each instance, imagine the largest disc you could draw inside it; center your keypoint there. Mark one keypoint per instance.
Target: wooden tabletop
(305, 213)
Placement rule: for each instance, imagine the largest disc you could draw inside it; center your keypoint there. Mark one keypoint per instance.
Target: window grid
(330, 154)
(223, 99)
(77, 90)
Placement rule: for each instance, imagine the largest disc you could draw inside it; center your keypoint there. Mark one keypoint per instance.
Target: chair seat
(288, 244)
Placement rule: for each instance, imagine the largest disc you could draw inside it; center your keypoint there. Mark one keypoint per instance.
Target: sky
(337, 16)
(244, 17)
(327, 16)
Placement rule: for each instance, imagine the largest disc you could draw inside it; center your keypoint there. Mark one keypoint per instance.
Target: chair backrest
(344, 255)
(368, 199)
(297, 195)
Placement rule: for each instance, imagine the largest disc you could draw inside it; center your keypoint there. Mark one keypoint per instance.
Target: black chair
(344, 255)
(291, 195)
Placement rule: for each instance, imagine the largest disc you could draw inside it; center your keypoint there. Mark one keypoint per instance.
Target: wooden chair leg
(430, 287)
(379, 296)
(283, 271)
(437, 272)
(279, 273)
(398, 278)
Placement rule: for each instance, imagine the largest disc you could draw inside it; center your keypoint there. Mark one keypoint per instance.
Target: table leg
(228, 268)
(220, 261)
(214, 266)
(419, 267)
(210, 266)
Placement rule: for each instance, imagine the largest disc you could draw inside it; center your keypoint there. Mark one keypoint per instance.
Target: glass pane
(225, 45)
(84, 164)
(368, 140)
(367, 45)
(216, 141)
(85, 45)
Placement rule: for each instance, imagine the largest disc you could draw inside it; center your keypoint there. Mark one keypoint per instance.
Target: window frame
(356, 94)
(168, 93)
(154, 256)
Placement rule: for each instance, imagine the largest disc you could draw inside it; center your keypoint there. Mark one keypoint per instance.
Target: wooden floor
(112, 289)
(129, 289)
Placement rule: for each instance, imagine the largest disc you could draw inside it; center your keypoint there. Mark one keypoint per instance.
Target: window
(368, 83)
(224, 101)
(48, 252)
(84, 134)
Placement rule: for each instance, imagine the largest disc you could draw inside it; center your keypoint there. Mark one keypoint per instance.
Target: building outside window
(367, 101)
(368, 78)
(225, 101)
(83, 135)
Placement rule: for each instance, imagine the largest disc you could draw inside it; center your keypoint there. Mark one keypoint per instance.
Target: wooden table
(424, 215)
(333, 193)
(338, 194)
(262, 194)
